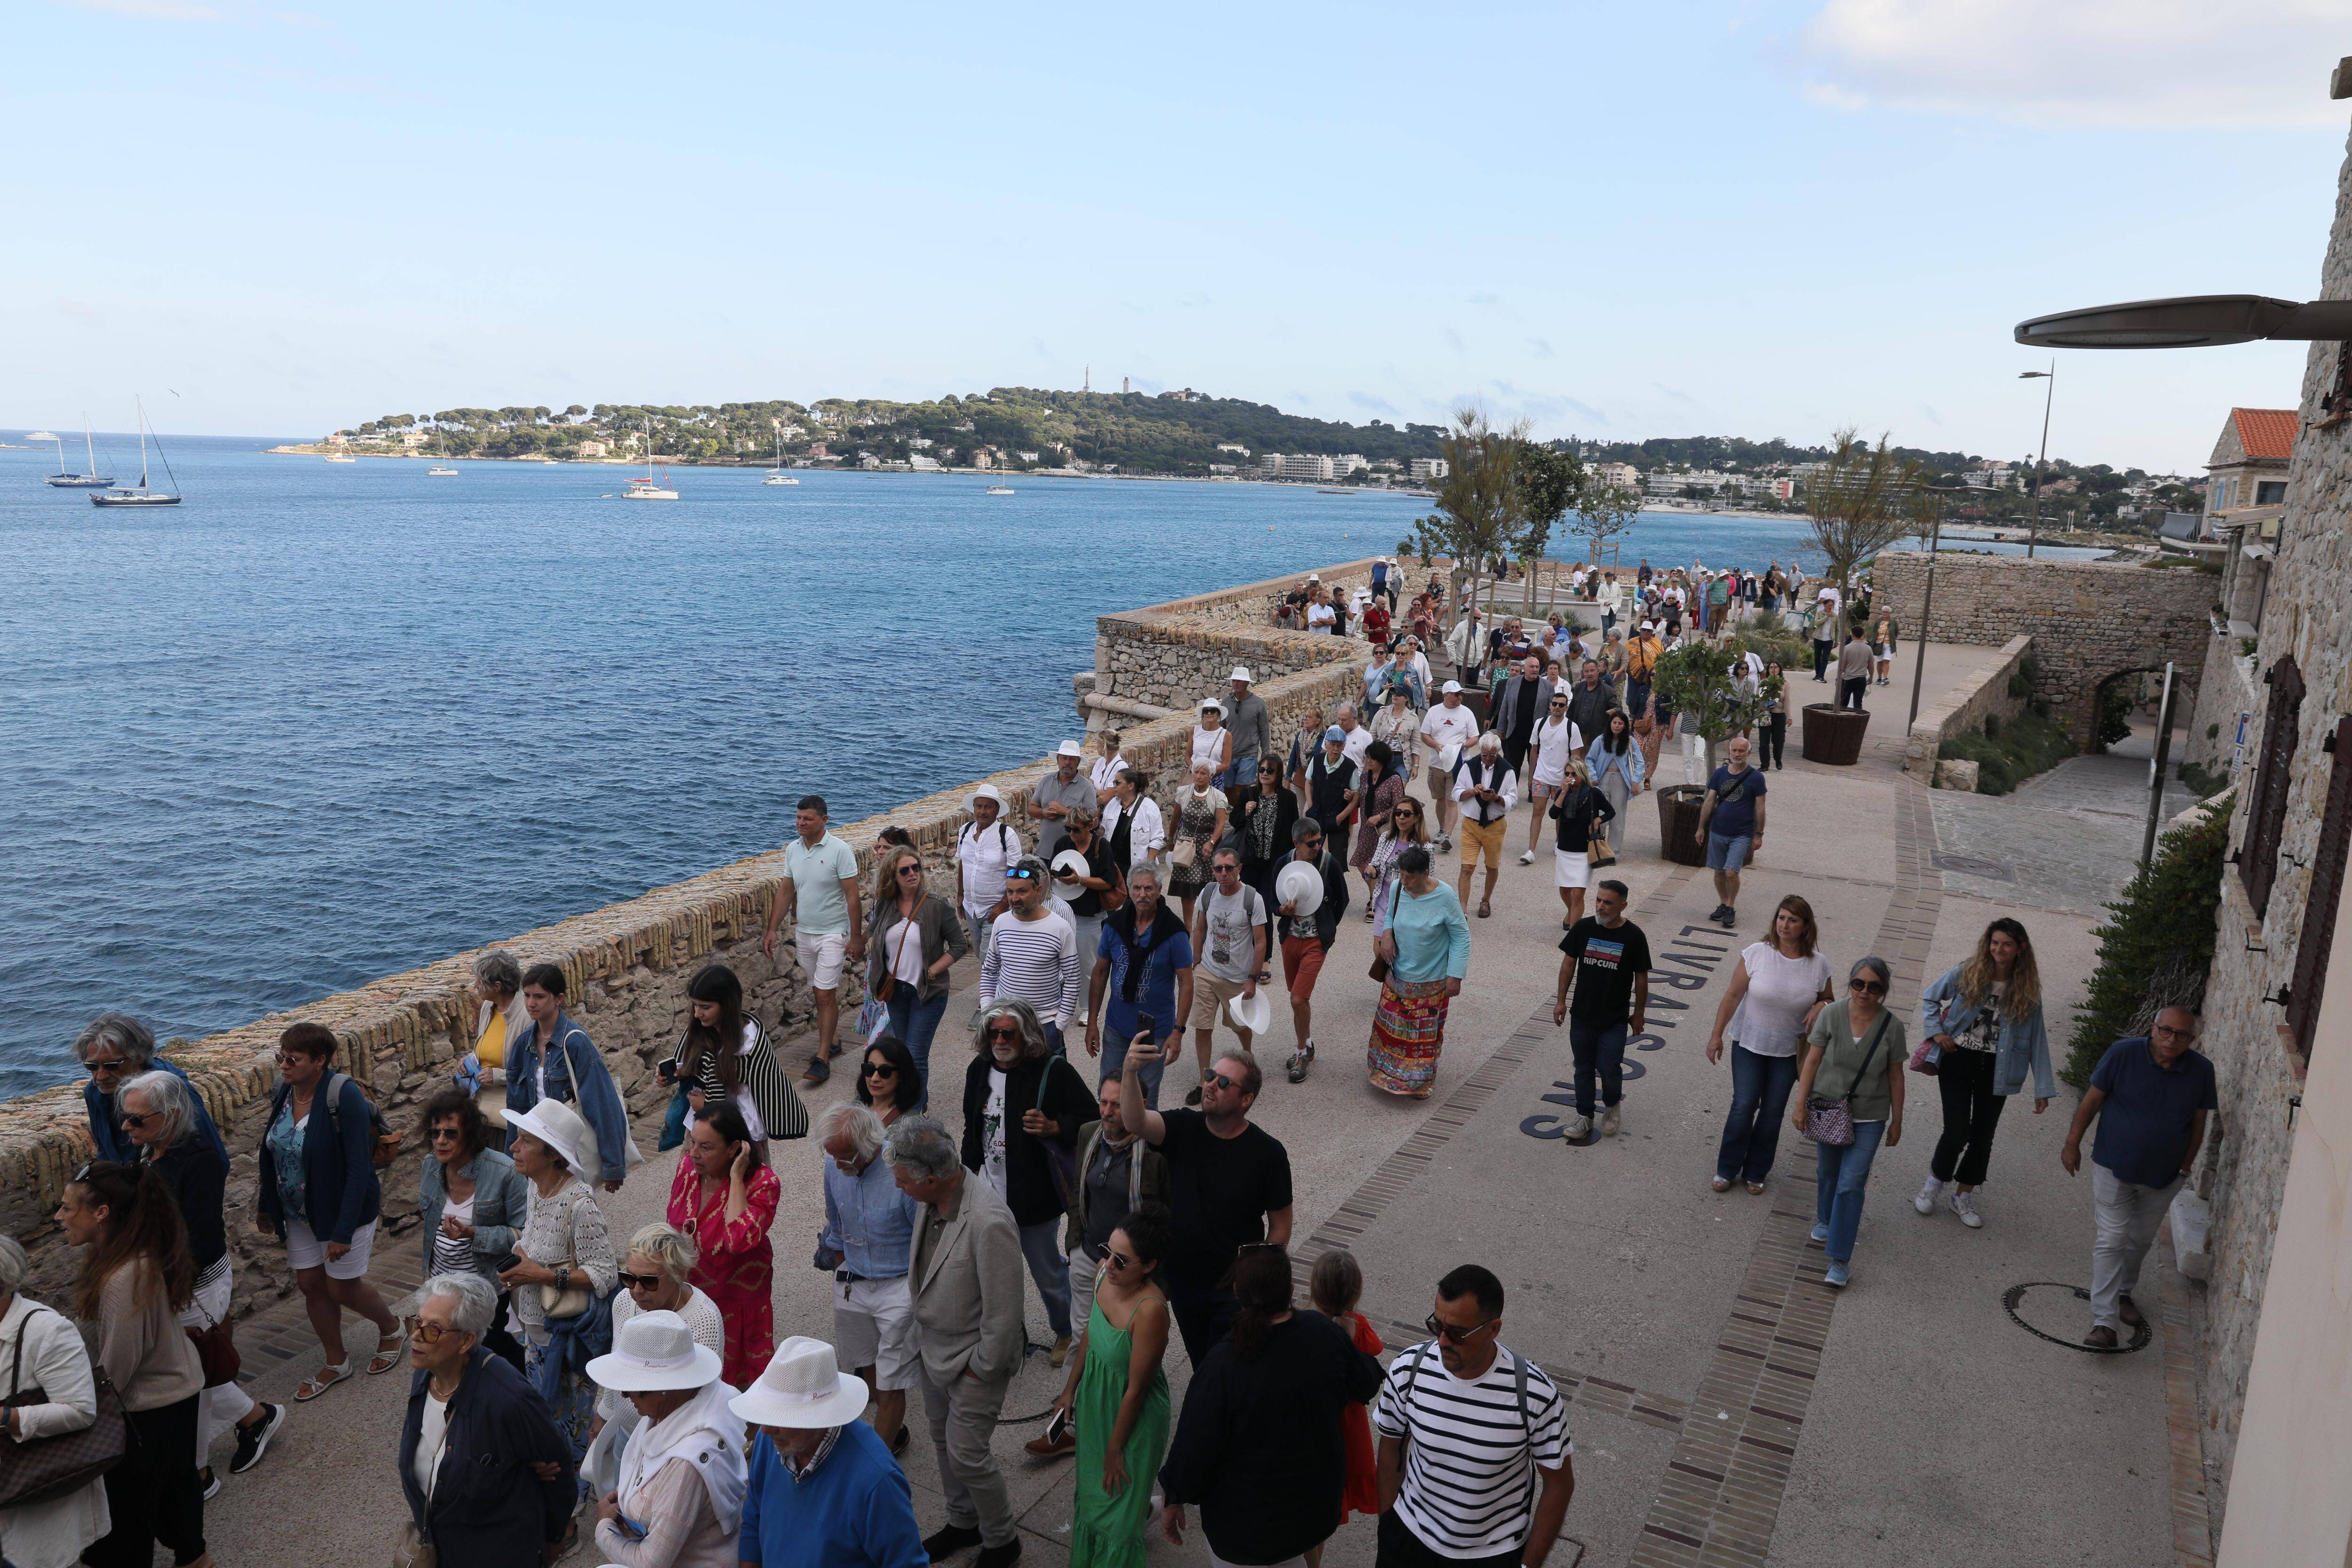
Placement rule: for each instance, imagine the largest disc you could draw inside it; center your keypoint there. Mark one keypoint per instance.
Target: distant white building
(1027, 457)
(1429, 468)
(1350, 463)
(1233, 447)
(1302, 466)
(1623, 474)
(923, 465)
(415, 438)
(593, 449)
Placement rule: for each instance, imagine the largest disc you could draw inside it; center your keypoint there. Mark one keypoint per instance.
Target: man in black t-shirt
(1607, 960)
(1228, 1187)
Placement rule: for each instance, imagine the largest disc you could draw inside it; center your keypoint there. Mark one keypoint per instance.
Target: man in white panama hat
(1253, 729)
(681, 1474)
(1053, 798)
(986, 847)
(824, 1492)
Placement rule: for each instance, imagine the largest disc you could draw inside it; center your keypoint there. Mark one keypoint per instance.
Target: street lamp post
(2034, 529)
(1927, 607)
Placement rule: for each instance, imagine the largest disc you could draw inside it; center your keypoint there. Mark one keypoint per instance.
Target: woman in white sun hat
(678, 1498)
(824, 1488)
(564, 1267)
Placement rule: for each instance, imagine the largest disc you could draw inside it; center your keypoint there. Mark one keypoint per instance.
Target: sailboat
(92, 480)
(441, 464)
(648, 488)
(776, 475)
(142, 496)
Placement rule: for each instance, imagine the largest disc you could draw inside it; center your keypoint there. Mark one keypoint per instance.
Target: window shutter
(2266, 821)
(2318, 936)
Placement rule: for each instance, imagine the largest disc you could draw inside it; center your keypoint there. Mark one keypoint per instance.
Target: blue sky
(1764, 219)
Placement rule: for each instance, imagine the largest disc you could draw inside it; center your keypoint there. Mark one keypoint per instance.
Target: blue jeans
(1243, 774)
(1118, 1029)
(915, 1022)
(1602, 1049)
(1760, 1099)
(1041, 1245)
(1837, 1186)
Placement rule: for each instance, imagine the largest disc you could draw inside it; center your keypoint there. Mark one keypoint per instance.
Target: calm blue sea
(327, 722)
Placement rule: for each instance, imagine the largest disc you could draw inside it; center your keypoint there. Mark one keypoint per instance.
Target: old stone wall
(1174, 661)
(626, 967)
(2089, 619)
(1966, 707)
(2225, 690)
(2308, 616)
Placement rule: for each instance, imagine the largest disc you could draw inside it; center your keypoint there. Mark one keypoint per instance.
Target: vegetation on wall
(2156, 944)
(2007, 754)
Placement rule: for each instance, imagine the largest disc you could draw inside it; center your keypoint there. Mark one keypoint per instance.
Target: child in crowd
(1335, 1287)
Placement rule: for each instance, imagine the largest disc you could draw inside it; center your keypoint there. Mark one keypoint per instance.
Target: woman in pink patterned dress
(725, 1197)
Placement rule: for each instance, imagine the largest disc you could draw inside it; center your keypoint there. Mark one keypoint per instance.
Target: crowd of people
(567, 1381)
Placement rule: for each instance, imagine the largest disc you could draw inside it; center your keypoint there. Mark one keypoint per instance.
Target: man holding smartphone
(1142, 982)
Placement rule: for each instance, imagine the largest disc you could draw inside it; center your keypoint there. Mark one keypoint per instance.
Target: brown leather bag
(47, 1469)
(217, 1350)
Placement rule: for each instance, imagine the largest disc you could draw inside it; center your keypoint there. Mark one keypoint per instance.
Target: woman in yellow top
(498, 985)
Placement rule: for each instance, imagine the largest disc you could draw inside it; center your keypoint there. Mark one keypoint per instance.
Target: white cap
(1069, 749)
(987, 792)
(1240, 673)
(1450, 688)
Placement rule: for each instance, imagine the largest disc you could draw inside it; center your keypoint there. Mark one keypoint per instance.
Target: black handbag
(42, 1469)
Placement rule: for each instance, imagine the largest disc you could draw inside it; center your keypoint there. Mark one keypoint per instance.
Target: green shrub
(2117, 698)
(2157, 945)
(2021, 679)
(2007, 754)
(2206, 785)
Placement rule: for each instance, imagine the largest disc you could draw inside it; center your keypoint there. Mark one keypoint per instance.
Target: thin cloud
(151, 10)
(1485, 297)
(1372, 405)
(1678, 396)
(1453, 339)
(2157, 63)
(1542, 349)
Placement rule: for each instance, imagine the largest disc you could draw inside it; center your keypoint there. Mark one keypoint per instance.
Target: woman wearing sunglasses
(890, 1084)
(917, 938)
(472, 1200)
(1117, 1395)
(653, 1279)
(1853, 1057)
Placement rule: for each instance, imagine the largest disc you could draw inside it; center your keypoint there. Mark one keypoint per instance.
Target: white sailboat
(1000, 489)
(342, 457)
(440, 468)
(776, 475)
(649, 487)
(143, 495)
(92, 479)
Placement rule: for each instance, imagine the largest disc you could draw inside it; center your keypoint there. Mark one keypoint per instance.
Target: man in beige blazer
(967, 1278)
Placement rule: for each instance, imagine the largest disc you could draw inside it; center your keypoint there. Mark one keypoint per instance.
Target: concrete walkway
(1727, 1408)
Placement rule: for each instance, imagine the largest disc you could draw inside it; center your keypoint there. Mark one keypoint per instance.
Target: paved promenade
(1727, 1408)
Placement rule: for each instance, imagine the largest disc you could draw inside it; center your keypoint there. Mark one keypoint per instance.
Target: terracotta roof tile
(2266, 432)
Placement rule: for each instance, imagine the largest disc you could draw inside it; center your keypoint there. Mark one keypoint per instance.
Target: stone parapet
(2090, 620)
(1964, 708)
(626, 967)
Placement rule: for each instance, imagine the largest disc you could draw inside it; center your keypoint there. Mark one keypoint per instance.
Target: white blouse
(51, 1535)
(1780, 989)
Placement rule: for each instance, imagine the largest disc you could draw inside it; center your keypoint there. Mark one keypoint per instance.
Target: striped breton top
(1034, 962)
(1469, 1490)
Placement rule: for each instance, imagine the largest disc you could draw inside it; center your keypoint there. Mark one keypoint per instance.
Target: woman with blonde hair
(1407, 826)
(1982, 1024)
(1778, 988)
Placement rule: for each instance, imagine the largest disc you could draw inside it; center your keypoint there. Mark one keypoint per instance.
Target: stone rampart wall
(1965, 707)
(2307, 615)
(2226, 689)
(626, 967)
(2088, 619)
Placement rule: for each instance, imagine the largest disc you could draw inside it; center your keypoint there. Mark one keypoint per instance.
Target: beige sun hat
(563, 1129)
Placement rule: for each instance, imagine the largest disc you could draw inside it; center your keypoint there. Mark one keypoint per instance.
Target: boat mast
(87, 446)
(142, 439)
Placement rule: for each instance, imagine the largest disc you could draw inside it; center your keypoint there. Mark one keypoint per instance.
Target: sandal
(1485, 909)
(389, 1352)
(319, 1381)
(1719, 1184)
(1755, 1189)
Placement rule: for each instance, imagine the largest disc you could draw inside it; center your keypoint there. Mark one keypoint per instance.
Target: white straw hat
(1252, 1011)
(1069, 863)
(1240, 673)
(1069, 749)
(1300, 883)
(803, 1388)
(655, 1350)
(987, 792)
(563, 1129)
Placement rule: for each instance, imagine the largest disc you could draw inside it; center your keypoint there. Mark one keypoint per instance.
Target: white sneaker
(1965, 1205)
(1610, 1121)
(1528, 859)
(1579, 1128)
(1926, 1202)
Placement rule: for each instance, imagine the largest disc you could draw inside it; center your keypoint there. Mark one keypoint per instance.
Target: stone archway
(2086, 727)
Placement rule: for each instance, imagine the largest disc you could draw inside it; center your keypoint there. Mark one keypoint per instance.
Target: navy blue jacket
(487, 1509)
(106, 1119)
(338, 1159)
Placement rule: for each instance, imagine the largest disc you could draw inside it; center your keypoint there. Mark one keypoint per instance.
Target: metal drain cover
(2050, 1310)
(1969, 865)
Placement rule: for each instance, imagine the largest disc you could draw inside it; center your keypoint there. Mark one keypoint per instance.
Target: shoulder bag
(557, 1305)
(1061, 1164)
(42, 1469)
(1831, 1121)
(1380, 969)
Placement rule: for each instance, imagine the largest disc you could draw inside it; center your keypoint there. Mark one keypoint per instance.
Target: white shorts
(305, 1250)
(1542, 791)
(874, 1325)
(1571, 868)
(821, 957)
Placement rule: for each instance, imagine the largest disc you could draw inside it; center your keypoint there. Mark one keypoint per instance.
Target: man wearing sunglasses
(117, 1047)
(1605, 960)
(1474, 1465)
(1033, 954)
(1228, 1187)
(1142, 985)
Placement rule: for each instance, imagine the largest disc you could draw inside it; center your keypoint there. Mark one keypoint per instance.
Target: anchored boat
(144, 495)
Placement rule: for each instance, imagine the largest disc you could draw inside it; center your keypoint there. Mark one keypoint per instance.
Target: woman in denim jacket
(1982, 1027)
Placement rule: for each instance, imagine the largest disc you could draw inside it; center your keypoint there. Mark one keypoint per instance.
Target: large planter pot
(1678, 809)
(1834, 735)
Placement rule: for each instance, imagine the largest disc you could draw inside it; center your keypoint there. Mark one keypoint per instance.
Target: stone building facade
(627, 966)
(2090, 620)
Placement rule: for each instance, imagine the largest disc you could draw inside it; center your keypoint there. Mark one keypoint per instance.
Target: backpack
(1518, 1389)
(384, 1145)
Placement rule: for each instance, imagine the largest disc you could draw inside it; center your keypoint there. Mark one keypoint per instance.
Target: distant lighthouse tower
(1089, 385)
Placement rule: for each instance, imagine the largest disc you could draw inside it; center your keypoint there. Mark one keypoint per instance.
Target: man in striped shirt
(1033, 954)
(1473, 1454)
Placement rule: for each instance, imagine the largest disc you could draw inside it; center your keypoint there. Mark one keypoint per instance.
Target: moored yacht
(143, 495)
(649, 487)
(91, 480)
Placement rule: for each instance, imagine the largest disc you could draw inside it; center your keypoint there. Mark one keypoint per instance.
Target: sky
(1772, 218)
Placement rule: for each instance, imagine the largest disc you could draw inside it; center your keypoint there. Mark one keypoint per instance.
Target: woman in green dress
(1117, 1395)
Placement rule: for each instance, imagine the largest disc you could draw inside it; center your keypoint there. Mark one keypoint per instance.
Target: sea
(327, 722)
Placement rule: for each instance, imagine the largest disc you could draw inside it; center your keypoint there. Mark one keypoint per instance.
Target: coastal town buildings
(1428, 469)
(2246, 476)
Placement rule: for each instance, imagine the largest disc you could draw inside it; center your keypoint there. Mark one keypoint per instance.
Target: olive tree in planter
(1697, 679)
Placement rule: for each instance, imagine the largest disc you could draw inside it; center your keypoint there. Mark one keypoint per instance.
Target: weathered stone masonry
(627, 965)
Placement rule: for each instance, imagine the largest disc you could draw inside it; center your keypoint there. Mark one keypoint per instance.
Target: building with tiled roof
(2246, 483)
